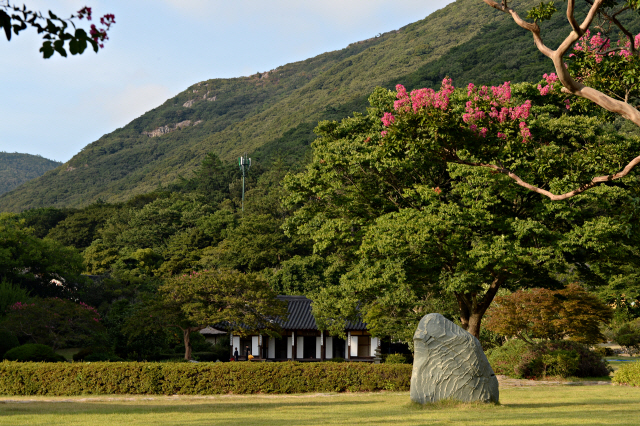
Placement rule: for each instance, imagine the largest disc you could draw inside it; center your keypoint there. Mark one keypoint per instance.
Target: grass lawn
(537, 405)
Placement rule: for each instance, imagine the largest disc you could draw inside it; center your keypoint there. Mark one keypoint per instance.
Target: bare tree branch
(571, 86)
(595, 181)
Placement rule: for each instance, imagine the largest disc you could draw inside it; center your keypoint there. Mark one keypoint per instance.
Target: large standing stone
(449, 364)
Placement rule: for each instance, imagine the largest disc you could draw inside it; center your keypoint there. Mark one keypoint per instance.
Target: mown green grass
(547, 405)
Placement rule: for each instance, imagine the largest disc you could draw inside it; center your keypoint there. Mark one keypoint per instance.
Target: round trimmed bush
(8, 341)
(395, 359)
(33, 352)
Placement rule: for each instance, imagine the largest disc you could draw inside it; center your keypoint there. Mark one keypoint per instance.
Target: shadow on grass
(159, 407)
(448, 404)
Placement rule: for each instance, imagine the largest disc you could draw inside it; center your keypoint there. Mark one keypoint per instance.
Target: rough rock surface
(449, 364)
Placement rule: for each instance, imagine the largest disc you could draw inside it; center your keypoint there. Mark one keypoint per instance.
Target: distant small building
(213, 335)
(302, 341)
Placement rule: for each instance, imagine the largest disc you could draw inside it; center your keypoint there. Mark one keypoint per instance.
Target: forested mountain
(272, 114)
(16, 169)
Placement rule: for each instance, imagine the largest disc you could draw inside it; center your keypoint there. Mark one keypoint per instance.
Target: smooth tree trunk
(186, 334)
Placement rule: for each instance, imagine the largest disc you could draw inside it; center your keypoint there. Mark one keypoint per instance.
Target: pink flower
(524, 131)
(567, 104)
(384, 133)
(483, 132)
(388, 119)
(471, 88)
(502, 135)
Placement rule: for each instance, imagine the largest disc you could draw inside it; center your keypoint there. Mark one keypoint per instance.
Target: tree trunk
(472, 310)
(186, 333)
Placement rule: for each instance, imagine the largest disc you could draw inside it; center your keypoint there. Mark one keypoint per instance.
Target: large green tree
(44, 267)
(243, 302)
(394, 200)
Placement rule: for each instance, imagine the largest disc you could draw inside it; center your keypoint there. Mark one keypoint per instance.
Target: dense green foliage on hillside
(16, 169)
(273, 113)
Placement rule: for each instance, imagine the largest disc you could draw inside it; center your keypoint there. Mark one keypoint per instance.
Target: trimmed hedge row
(628, 374)
(102, 378)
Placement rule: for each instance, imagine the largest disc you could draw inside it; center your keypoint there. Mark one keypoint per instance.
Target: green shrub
(199, 378)
(562, 358)
(206, 356)
(336, 359)
(603, 351)
(505, 358)
(34, 352)
(628, 336)
(102, 356)
(628, 374)
(7, 341)
(84, 352)
(395, 359)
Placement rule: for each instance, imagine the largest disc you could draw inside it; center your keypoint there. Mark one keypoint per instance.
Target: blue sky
(158, 48)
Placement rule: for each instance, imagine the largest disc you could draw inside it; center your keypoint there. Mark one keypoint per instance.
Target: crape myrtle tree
(58, 34)
(603, 69)
(392, 199)
(191, 302)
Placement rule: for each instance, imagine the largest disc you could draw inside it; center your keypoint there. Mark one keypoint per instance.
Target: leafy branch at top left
(58, 34)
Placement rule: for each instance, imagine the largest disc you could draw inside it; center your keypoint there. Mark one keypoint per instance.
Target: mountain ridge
(17, 168)
(254, 114)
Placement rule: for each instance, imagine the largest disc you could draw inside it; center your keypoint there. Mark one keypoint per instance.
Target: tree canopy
(395, 203)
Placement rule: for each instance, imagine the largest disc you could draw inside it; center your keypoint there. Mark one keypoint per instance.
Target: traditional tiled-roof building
(302, 341)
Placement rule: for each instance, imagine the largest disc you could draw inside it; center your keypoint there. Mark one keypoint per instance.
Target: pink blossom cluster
(388, 119)
(551, 79)
(423, 98)
(19, 306)
(498, 99)
(91, 309)
(598, 46)
(99, 35)
(486, 106)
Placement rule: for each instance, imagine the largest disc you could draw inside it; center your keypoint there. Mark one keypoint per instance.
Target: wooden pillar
(231, 346)
(348, 346)
(293, 345)
(322, 346)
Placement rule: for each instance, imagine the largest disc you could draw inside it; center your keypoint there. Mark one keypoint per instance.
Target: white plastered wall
(354, 346)
(255, 345)
(329, 348)
(299, 347)
(289, 351)
(374, 345)
(272, 348)
(318, 347)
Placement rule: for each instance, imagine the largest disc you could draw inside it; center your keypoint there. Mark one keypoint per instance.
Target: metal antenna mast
(245, 164)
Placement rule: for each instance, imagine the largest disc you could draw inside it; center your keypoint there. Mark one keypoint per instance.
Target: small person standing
(235, 354)
(248, 352)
